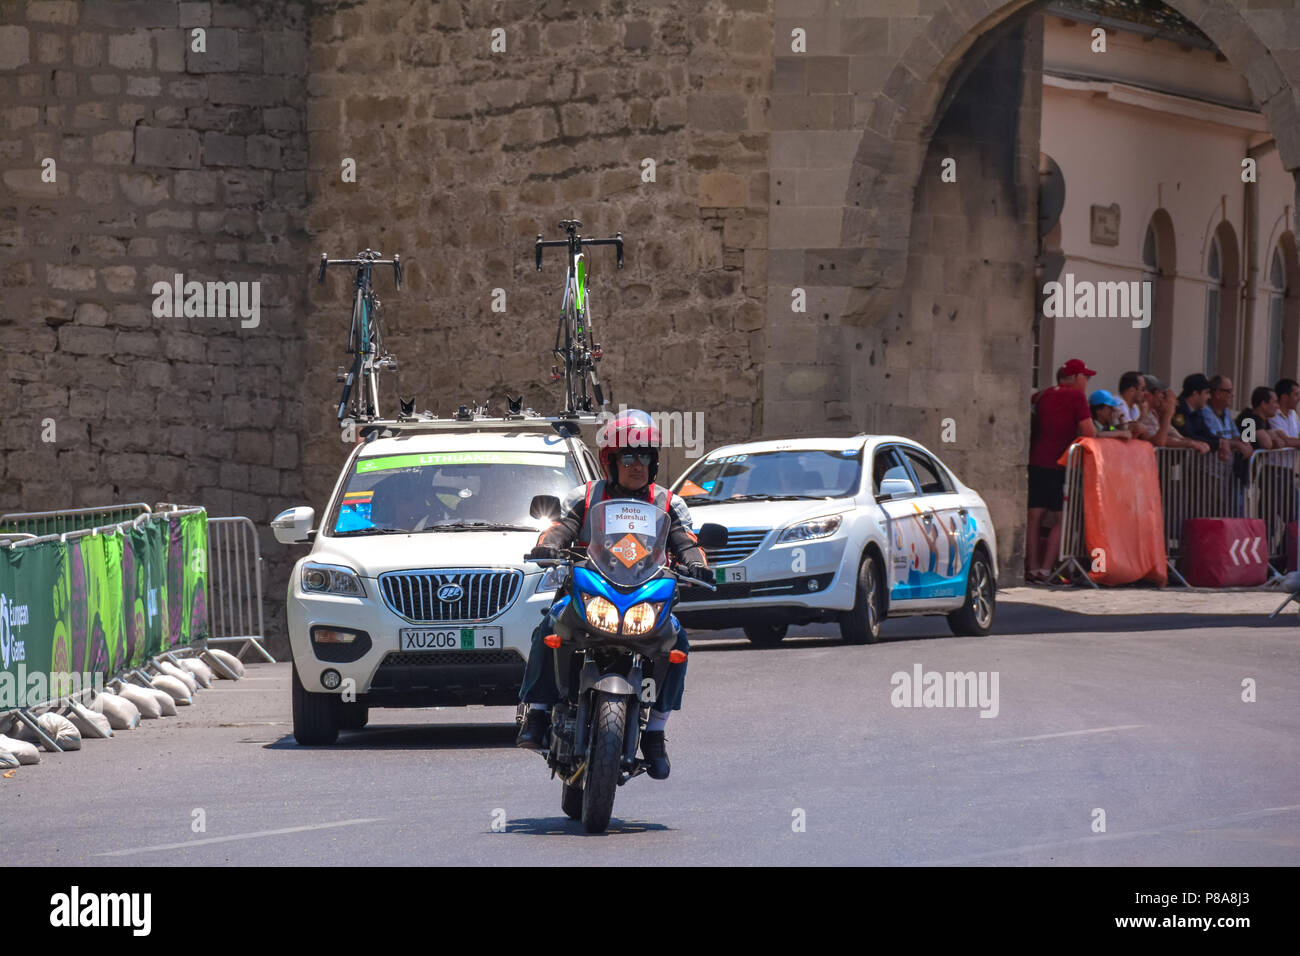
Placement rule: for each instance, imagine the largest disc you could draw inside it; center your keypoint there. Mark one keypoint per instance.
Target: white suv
(415, 592)
(845, 530)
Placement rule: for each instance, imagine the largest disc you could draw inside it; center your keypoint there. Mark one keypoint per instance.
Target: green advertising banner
(99, 603)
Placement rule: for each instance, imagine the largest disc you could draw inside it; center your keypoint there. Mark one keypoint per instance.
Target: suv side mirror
(545, 506)
(293, 526)
(712, 536)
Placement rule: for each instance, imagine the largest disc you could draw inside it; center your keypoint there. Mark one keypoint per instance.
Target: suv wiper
(478, 526)
(773, 498)
(360, 531)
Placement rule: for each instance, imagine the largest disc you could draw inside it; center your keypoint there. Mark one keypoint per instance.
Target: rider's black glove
(700, 572)
(541, 553)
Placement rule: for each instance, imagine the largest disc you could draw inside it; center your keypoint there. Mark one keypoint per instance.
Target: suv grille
(483, 594)
(741, 543)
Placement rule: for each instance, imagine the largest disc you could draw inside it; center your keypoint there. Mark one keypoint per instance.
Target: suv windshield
(773, 475)
(450, 491)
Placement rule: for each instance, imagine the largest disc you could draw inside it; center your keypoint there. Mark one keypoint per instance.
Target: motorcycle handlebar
(682, 576)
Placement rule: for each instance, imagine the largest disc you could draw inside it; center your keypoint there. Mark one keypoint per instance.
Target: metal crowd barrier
(1195, 485)
(1274, 496)
(1072, 558)
(235, 579)
(41, 523)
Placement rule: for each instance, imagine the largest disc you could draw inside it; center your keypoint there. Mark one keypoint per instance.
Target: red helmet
(632, 429)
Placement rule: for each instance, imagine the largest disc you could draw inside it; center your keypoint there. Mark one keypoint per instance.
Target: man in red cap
(1060, 415)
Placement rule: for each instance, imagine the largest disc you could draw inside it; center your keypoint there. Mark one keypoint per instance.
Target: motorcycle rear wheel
(609, 718)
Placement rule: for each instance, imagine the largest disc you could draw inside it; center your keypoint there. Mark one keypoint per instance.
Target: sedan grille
(431, 596)
(741, 543)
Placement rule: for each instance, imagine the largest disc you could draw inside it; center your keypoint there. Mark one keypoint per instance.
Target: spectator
(1107, 415)
(1157, 419)
(1263, 406)
(1188, 418)
(1060, 415)
(1286, 423)
(1132, 391)
(1218, 416)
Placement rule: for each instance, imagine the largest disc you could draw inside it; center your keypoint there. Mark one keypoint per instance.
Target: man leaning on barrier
(1158, 419)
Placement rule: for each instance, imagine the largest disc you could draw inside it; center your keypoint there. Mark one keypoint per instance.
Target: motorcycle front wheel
(608, 720)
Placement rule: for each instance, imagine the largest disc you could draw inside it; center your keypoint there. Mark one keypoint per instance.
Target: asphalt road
(1138, 715)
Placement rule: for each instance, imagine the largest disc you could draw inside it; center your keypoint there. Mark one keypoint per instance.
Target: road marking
(240, 836)
(1067, 733)
(1190, 827)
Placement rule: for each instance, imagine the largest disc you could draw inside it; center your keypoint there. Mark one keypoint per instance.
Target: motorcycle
(613, 636)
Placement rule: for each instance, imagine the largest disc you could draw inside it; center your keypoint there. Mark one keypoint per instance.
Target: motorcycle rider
(629, 459)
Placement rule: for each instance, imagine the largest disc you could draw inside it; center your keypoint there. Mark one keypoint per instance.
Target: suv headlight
(332, 579)
(552, 579)
(814, 528)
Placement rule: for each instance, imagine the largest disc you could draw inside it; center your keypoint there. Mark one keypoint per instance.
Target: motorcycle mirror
(712, 536)
(545, 506)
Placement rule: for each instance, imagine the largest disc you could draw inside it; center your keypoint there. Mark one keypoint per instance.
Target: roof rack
(469, 418)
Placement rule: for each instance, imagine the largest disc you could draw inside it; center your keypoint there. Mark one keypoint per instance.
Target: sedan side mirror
(545, 506)
(712, 536)
(293, 526)
(895, 488)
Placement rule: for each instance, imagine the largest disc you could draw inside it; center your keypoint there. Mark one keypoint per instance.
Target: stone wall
(166, 161)
(463, 155)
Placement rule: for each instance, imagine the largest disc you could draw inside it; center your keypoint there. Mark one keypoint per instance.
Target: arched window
(1276, 301)
(1213, 299)
(1150, 275)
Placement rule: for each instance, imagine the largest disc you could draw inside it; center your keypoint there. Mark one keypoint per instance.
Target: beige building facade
(1172, 178)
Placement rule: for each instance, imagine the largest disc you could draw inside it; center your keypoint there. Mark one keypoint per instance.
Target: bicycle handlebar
(574, 241)
(363, 261)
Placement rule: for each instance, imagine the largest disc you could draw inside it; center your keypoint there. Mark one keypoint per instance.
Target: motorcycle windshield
(629, 540)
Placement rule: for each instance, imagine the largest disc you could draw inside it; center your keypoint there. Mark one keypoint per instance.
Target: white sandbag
(7, 760)
(25, 752)
(144, 701)
(62, 730)
(55, 726)
(121, 713)
(181, 674)
(166, 705)
(89, 723)
(224, 663)
(201, 671)
(180, 693)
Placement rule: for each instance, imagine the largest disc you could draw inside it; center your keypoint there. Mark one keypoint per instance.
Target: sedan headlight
(640, 618)
(601, 614)
(331, 579)
(815, 528)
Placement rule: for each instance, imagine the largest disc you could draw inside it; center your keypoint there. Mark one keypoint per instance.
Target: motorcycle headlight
(640, 618)
(815, 528)
(601, 614)
(553, 579)
(332, 579)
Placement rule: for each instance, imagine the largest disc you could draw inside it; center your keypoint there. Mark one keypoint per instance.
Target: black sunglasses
(628, 457)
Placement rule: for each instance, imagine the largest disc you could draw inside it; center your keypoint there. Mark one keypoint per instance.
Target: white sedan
(844, 530)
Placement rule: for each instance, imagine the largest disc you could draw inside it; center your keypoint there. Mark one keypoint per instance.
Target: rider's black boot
(654, 749)
(533, 732)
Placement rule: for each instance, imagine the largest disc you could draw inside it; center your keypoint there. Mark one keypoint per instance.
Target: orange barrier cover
(1122, 512)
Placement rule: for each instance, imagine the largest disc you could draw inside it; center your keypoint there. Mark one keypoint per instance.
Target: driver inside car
(629, 458)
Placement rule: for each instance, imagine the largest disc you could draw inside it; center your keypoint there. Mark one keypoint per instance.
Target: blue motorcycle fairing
(589, 582)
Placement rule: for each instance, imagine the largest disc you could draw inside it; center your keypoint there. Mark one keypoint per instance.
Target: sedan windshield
(450, 491)
(773, 476)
